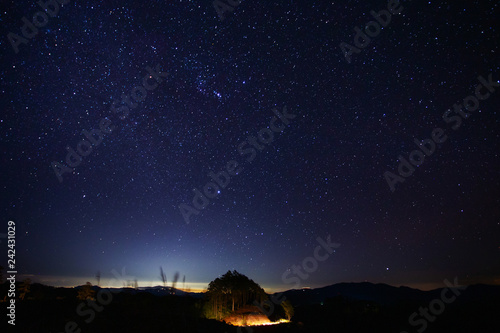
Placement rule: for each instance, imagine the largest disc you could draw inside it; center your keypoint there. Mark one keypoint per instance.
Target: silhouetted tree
(86, 292)
(174, 281)
(98, 277)
(128, 284)
(230, 292)
(288, 308)
(24, 288)
(163, 277)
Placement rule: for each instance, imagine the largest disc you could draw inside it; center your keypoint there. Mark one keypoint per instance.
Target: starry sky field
(216, 88)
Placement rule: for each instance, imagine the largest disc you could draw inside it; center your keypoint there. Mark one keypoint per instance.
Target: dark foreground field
(338, 308)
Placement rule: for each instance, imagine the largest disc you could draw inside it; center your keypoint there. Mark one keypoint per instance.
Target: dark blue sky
(323, 174)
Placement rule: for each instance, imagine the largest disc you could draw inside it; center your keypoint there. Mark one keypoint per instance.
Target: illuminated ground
(250, 316)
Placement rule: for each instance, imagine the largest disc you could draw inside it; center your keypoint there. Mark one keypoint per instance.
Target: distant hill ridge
(385, 294)
(380, 293)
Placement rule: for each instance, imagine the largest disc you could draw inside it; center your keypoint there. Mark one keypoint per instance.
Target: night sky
(214, 86)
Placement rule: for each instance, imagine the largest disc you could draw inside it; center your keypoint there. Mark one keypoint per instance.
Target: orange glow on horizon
(257, 321)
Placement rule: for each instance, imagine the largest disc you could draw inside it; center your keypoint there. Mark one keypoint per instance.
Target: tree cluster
(229, 293)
